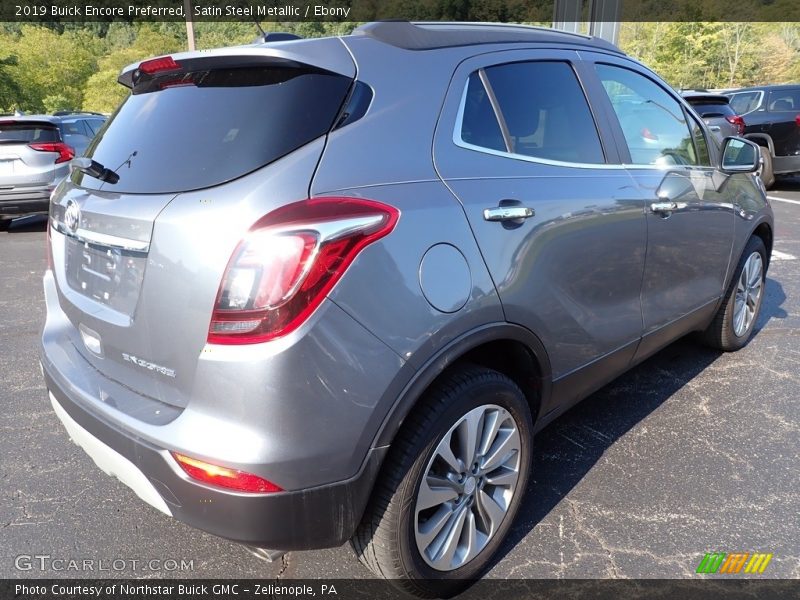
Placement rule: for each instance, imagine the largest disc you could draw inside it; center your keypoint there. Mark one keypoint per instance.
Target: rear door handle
(663, 207)
(508, 213)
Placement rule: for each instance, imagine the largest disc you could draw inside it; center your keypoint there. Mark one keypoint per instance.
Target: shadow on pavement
(29, 223)
(566, 450)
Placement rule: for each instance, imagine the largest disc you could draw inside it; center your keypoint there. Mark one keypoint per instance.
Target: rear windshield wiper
(94, 169)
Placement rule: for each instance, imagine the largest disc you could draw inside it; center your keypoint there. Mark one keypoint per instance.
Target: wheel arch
(505, 347)
(762, 139)
(764, 231)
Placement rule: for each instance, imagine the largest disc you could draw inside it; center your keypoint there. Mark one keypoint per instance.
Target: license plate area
(7, 166)
(110, 276)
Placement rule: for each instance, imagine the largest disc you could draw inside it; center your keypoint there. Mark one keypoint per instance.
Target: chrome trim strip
(102, 239)
(458, 141)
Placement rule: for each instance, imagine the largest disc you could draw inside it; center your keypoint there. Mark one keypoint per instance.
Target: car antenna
(261, 29)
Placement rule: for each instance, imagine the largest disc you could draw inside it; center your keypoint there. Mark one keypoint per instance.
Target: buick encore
(311, 291)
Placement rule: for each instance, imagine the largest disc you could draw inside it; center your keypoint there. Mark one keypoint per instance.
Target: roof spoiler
(325, 54)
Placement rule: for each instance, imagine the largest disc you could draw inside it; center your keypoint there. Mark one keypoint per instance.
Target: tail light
(649, 135)
(797, 120)
(224, 477)
(291, 258)
(737, 121)
(158, 65)
(65, 152)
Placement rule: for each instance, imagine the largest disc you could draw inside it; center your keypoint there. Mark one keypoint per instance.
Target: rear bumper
(16, 202)
(283, 416)
(783, 165)
(319, 517)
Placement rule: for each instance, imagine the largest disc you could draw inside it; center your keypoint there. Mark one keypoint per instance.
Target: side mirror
(740, 156)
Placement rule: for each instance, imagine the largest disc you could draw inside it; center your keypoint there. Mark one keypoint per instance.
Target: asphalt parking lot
(693, 451)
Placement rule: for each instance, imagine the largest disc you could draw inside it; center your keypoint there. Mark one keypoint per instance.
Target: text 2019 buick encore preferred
(311, 291)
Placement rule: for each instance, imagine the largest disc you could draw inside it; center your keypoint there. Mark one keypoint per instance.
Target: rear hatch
(28, 153)
(203, 146)
(716, 112)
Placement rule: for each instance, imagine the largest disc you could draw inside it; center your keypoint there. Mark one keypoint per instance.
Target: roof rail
(430, 35)
(64, 113)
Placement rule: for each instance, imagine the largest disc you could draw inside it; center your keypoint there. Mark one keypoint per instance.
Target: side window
(534, 109)
(745, 102)
(784, 100)
(77, 127)
(652, 121)
(479, 125)
(95, 124)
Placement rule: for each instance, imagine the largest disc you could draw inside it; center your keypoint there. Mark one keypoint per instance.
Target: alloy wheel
(467, 487)
(748, 294)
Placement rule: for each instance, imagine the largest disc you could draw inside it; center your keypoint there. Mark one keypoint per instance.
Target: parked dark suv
(772, 116)
(313, 291)
(35, 151)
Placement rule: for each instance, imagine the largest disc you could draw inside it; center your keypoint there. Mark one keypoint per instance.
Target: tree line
(75, 65)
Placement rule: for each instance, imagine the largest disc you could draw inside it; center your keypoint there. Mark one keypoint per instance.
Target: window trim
(690, 118)
(459, 141)
(498, 114)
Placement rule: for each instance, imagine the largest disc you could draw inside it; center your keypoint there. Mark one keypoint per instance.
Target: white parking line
(783, 200)
(777, 255)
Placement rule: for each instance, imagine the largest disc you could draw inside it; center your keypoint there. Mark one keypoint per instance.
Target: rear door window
(202, 127)
(535, 109)
(745, 102)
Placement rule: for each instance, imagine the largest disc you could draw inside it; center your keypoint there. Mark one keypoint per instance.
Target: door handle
(508, 213)
(663, 207)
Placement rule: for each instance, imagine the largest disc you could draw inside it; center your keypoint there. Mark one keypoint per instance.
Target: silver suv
(322, 290)
(35, 151)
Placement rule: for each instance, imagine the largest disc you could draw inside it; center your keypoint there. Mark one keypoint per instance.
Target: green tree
(9, 89)
(50, 65)
(102, 92)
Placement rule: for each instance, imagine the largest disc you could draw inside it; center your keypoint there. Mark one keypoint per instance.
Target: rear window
(709, 109)
(204, 127)
(27, 133)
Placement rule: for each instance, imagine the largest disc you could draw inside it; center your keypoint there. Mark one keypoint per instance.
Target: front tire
(735, 320)
(767, 175)
(451, 485)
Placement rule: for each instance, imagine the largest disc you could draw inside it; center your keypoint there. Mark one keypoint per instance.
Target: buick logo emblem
(72, 216)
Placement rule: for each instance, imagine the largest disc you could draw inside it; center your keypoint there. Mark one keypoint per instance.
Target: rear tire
(736, 317)
(420, 501)
(5, 224)
(767, 175)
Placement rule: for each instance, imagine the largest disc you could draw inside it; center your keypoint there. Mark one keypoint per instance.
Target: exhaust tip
(265, 554)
